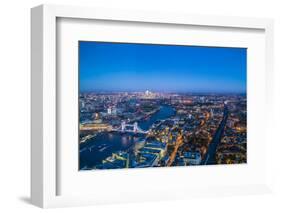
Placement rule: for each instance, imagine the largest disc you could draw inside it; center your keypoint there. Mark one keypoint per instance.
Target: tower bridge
(134, 128)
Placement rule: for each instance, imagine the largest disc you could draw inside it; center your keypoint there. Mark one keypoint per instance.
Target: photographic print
(155, 105)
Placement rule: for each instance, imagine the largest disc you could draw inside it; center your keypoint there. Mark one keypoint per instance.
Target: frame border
(43, 88)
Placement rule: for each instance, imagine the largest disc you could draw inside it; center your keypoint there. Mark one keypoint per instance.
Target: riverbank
(105, 143)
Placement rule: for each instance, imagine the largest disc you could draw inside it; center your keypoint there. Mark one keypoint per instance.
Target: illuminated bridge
(130, 128)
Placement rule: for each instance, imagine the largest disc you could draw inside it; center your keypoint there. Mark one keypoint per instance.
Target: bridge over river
(104, 144)
(134, 128)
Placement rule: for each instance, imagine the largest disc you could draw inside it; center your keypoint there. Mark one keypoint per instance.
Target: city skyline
(151, 105)
(127, 67)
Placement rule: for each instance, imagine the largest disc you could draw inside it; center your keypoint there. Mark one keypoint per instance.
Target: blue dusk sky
(120, 67)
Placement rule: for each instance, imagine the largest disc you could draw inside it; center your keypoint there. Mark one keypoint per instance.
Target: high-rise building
(212, 113)
(109, 111)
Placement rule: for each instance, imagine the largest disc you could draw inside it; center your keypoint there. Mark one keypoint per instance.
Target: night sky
(120, 67)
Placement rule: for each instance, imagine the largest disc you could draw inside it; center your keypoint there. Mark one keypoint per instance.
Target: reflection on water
(125, 141)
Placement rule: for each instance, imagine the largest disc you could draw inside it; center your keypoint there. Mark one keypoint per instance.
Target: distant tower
(96, 116)
(212, 112)
(136, 127)
(109, 111)
(123, 125)
(82, 104)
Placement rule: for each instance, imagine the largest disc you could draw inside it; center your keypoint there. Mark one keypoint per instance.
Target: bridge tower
(136, 127)
(123, 126)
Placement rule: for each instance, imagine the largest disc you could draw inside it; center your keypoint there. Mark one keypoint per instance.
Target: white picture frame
(44, 154)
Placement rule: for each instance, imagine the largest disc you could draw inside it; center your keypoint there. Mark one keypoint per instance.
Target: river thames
(104, 144)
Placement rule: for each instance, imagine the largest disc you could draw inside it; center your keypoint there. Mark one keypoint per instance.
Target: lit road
(210, 156)
(179, 141)
(174, 153)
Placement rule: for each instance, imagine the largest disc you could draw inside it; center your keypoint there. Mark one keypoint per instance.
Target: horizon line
(142, 91)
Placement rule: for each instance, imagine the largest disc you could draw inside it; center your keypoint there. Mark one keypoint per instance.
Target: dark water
(210, 157)
(104, 144)
(163, 113)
